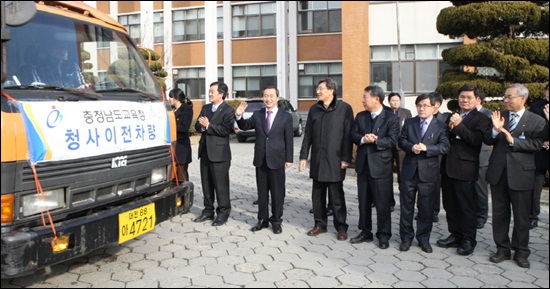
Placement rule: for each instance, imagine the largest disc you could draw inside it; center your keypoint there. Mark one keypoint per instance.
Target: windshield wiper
(125, 89)
(78, 92)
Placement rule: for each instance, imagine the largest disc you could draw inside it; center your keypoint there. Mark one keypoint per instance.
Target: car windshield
(54, 51)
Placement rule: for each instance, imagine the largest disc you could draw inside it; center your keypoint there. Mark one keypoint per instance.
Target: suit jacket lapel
(276, 120)
(218, 111)
(379, 121)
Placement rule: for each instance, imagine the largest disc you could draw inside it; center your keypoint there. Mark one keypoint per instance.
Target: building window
(421, 67)
(249, 81)
(188, 25)
(220, 22)
(158, 29)
(319, 16)
(311, 73)
(252, 20)
(193, 83)
(132, 24)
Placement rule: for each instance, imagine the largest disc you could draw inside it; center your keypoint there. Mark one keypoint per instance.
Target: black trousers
(482, 196)
(319, 199)
(270, 181)
(215, 185)
(378, 191)
(535, 198)
(502, 197)
(459, 201)
(408, 190)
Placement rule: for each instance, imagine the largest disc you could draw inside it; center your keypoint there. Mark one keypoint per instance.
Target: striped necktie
(514, 118)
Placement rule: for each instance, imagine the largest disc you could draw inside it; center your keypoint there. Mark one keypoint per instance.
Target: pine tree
(510, 45)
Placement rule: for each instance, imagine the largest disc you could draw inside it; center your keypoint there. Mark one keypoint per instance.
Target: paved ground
(180, 253)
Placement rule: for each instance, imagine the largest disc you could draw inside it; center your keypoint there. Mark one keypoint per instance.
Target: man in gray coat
(327, 134)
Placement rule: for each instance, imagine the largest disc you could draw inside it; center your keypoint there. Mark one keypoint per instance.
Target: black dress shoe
(521, 261)
(260, 225)
(219, 222)
(448, 242)
(426, 247)
(330, 212)
(277, 229)
(203, 218)
(255, 202)
(404, 246)
(435, 218)
(499, 257)
(466, 248)
(383, 244)
(363, 237)
(533, 224)
(311, 211)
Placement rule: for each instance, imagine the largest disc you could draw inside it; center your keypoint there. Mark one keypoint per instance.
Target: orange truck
(87, 137)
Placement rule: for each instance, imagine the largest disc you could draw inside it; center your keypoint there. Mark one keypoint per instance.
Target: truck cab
(87, 136)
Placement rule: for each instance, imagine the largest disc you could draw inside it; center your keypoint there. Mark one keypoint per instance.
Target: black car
(255, 104)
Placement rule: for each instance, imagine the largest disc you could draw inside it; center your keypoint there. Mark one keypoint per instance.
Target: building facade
(291, 44)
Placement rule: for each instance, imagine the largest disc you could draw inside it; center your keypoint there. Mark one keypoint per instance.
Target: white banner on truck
(68, 130)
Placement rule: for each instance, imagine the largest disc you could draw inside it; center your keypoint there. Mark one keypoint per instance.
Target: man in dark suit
(394, 100)
(541, 162)
(423, 139)
(273, 152)
(516, 136)
(482, 190)
(329, 123)
(460, 170)
(215, 123)
(375, 133)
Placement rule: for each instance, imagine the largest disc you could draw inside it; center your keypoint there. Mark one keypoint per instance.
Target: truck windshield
(54, 51)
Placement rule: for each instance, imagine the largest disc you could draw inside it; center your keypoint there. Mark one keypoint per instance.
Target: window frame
(132, 27)
(244, 18)
(267, 76)
(196, 23)
(314, 15)
(332, 70)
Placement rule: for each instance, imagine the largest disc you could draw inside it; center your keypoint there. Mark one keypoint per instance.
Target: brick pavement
(180, 253)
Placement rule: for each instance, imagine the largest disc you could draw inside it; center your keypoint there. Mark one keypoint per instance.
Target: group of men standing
(438, 152)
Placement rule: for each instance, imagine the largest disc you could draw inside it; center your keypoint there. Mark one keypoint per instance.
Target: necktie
(268, 121)
(423, 127)
(513, 121)
(214, 108)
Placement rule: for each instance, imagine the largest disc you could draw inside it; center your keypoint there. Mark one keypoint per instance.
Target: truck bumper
(27, 250)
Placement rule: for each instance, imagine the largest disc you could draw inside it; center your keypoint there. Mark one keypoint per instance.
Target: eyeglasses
(320, 88)
(423, 106)
(509, 96)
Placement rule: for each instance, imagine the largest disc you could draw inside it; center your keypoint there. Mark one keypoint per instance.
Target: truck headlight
(34, 204)
(158, 175)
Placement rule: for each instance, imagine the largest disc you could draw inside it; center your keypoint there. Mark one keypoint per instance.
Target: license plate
(136, 222)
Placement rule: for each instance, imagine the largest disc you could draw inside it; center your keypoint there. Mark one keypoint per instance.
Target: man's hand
(288, 165)
(241, 108)
(302, 165)
(203, 120)
(370, 138)
(498, 121)
(455, 120)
